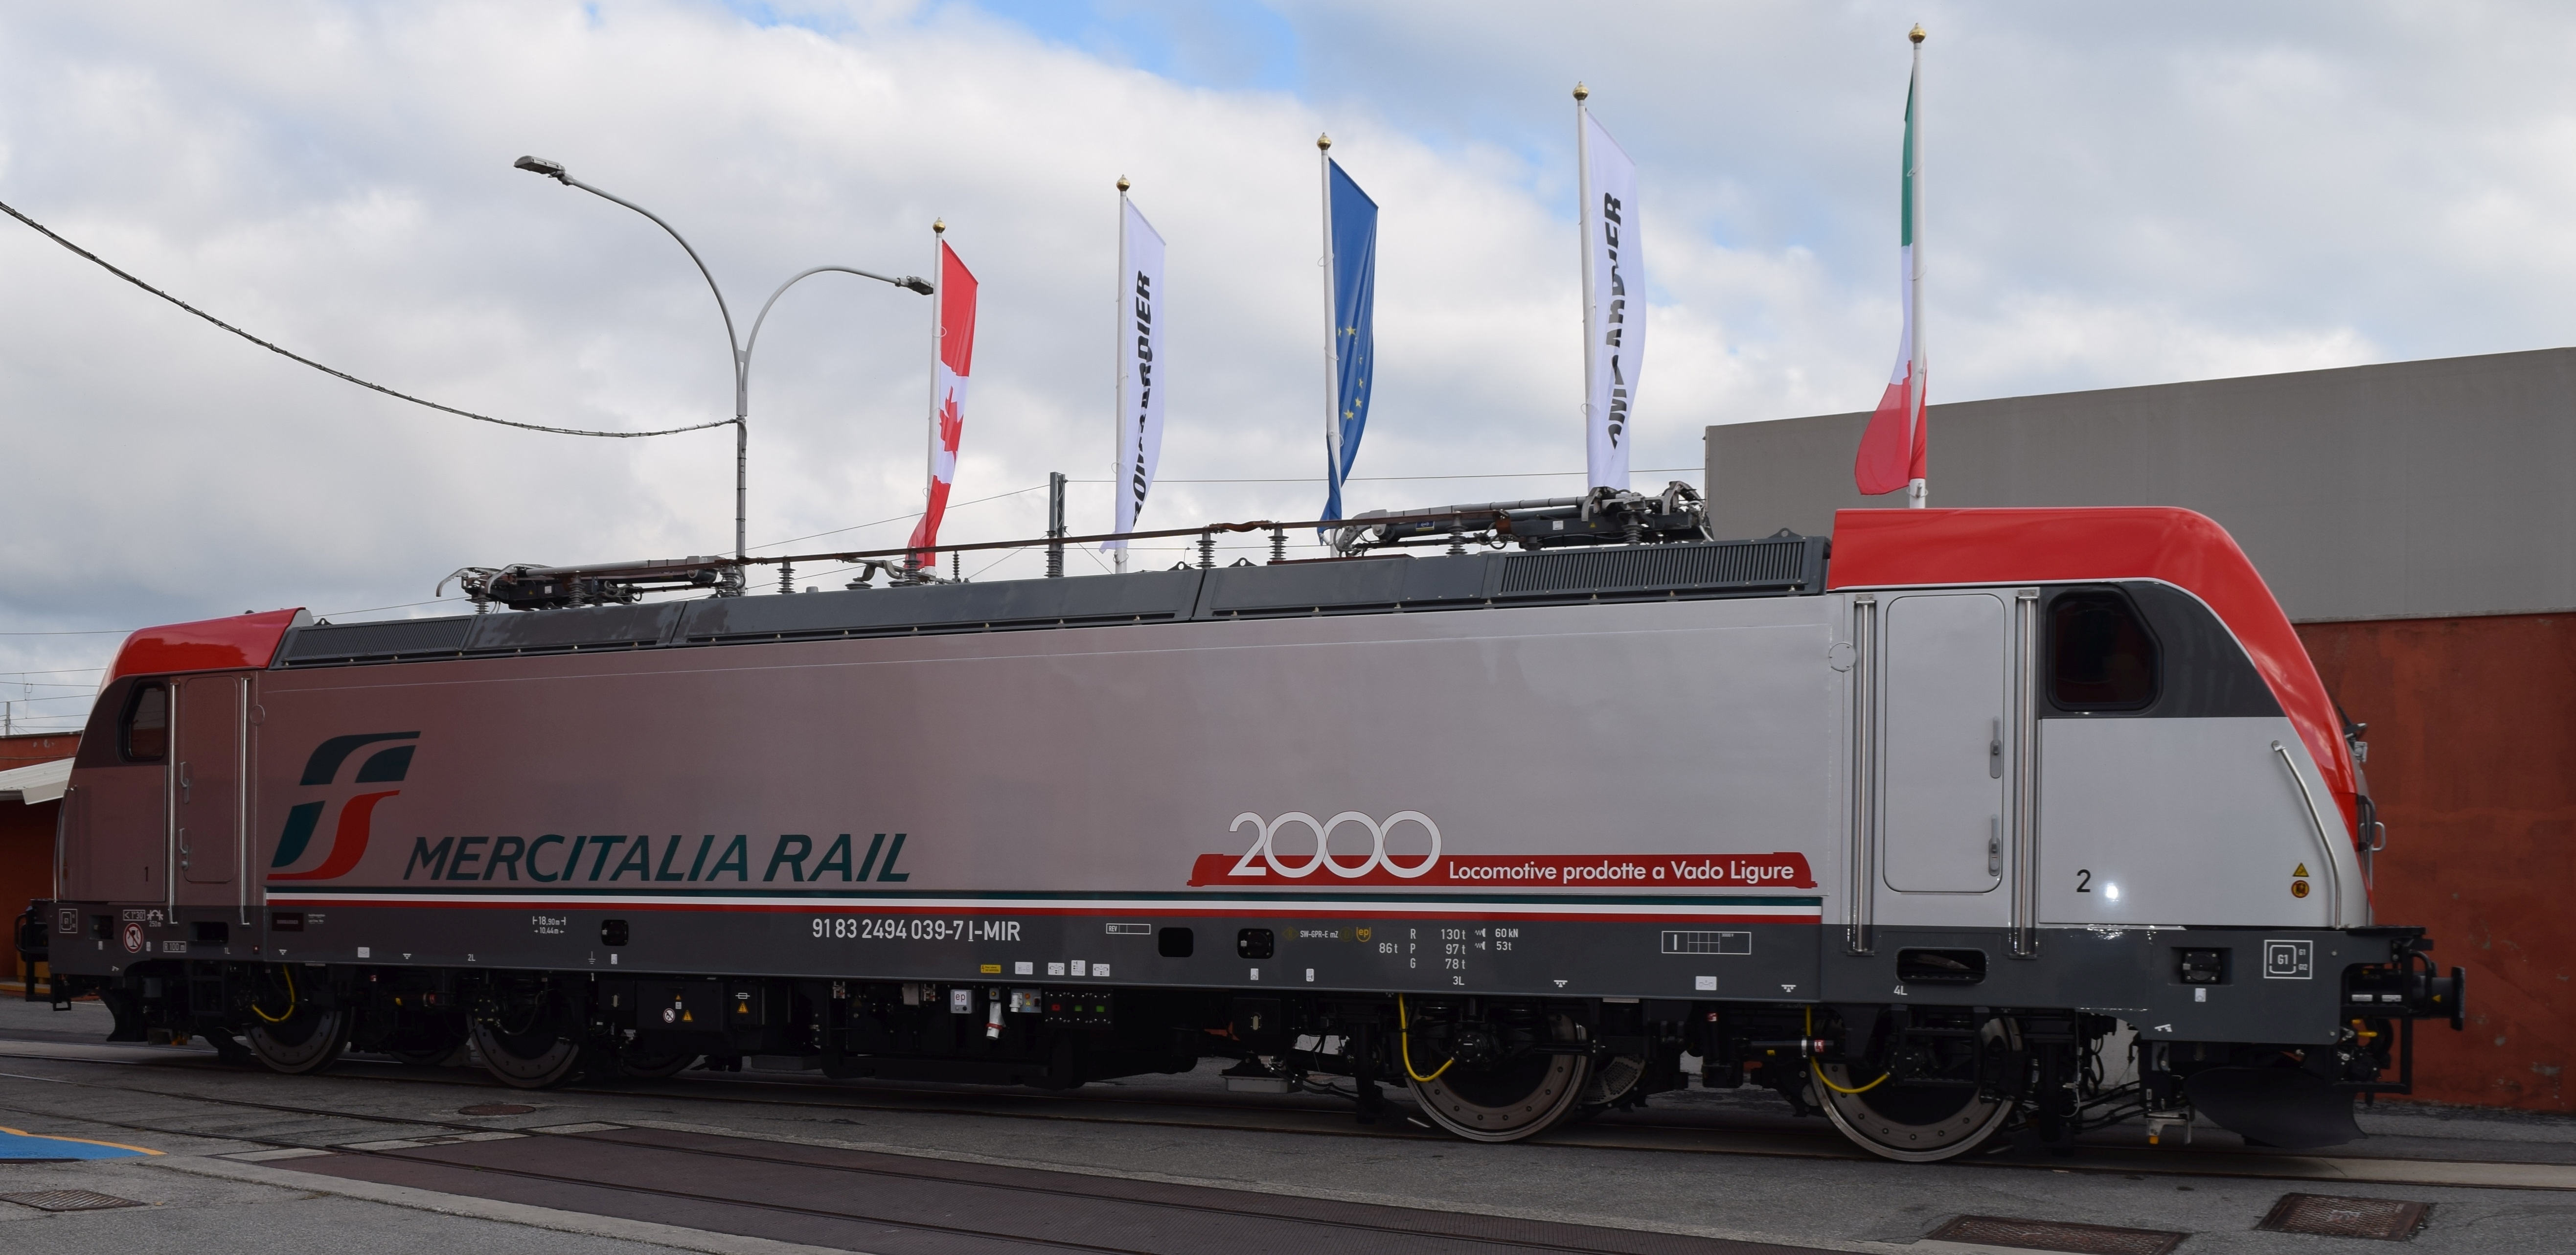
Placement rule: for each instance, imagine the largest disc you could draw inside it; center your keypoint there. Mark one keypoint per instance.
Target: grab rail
(2325, 845)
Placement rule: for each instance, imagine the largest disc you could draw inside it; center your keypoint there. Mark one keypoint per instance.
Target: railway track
(804, 1191)
(1181, 1109)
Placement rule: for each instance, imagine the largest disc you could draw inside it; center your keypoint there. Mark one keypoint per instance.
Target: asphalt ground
(373, 1156)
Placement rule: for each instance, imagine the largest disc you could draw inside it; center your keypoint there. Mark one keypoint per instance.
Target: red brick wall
(27, 751)
(27, 835)
(2473, 764)
(26, 866)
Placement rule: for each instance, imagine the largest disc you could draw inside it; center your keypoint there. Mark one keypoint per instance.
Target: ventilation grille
(375, 642)
(1784, 563)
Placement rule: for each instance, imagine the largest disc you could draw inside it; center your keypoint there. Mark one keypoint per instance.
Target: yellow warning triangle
(686, 1018)
(2303, 870)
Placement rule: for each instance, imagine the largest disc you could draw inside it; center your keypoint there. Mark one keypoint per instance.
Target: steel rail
(782, 1159)
(2254, 1164)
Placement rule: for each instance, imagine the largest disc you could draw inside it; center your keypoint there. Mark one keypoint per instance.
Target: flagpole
(1118, 471)
(1918, 493)
(1583, 237)
(1332, 325)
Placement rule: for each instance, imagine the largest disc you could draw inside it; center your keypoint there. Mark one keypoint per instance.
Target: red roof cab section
(1897, 548)
(242, 642)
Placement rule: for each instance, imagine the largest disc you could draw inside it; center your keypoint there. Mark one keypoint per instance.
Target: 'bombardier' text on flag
(1614, 298)
(1140, 368)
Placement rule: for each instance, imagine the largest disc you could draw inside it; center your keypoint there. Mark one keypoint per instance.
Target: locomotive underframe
(1960, 1040)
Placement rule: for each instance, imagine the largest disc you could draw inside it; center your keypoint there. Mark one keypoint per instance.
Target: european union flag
(1350, 227)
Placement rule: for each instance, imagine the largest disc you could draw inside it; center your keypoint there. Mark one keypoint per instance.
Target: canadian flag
(947, 394)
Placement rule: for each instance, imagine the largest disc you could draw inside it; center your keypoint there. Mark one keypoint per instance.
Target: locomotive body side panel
(2183, 822)
(116, 831)
(940, 795)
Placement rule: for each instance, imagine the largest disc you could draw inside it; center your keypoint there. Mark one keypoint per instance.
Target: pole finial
(1324, 142)
(1122, 183)
(1581, 91)
(1916, 34)
(939, 226)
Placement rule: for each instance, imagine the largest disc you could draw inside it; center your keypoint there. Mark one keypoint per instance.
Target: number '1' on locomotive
(1963, 820)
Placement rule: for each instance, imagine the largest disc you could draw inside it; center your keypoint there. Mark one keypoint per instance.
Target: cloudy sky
(2117, 194)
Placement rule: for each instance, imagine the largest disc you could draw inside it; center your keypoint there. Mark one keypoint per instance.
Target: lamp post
(738, 349)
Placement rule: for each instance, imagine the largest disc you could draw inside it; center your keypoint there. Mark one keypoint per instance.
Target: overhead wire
(1390, 479)
(335, 373)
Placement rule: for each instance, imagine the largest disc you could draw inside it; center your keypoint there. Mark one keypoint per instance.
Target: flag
(1614, 329)
(1892, 449)
(1350, 266)
(956, 315)
(1140, 346)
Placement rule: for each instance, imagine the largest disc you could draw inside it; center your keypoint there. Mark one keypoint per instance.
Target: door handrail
(2025, 782)
(1861, 937)
(2325, 846)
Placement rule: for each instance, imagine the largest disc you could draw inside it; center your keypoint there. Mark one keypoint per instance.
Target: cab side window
(2100, 657)
(143, 736)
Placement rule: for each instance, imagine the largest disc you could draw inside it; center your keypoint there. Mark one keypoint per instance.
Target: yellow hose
(290, 1001)
(1404, 1045)
(1819, 1072)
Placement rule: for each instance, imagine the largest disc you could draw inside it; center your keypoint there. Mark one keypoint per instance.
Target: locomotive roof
(1777, 566)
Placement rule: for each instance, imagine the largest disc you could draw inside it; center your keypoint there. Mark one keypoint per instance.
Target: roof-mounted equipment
(1604, 516)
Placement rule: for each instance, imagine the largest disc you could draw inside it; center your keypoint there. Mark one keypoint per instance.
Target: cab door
(208, 790)
(1945, 753)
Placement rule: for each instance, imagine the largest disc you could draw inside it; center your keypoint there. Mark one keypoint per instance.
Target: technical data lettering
(1456, 948)
(913, 928)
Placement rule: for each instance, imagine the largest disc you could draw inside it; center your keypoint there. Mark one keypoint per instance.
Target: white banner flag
(1614, 303)
(1140, 349)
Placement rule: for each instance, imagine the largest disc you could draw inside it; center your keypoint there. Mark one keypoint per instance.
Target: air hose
(290, 1001)
(1819, 1072)
(1404, 1045)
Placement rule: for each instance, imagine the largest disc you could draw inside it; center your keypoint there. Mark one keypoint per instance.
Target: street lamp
(738, 348)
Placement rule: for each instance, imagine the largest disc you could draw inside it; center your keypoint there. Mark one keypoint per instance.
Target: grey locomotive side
(1528, 842)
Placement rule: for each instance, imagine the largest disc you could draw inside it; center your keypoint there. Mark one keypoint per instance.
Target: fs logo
(349, 836)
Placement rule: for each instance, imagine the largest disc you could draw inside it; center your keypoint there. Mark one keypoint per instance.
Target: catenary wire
(290, 354)
(1390, 479)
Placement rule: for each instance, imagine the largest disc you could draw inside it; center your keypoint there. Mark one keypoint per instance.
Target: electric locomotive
(1957, 821)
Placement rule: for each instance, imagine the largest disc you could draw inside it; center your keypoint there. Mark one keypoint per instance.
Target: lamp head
(539, 165)
(916, 283)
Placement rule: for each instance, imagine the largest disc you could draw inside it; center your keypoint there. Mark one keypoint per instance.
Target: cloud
(2118, 195)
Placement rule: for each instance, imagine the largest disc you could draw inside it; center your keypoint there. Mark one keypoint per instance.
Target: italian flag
(1891, 450)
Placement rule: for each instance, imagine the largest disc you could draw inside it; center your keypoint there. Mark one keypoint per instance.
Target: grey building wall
(2407, 490)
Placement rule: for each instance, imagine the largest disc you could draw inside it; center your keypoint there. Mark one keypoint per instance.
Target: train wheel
(535, 1045)
(1612, 1078)
(437, 1045)
(1510, 1098)
(1906, 1123)
(653, 1065)
(308, 1040)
